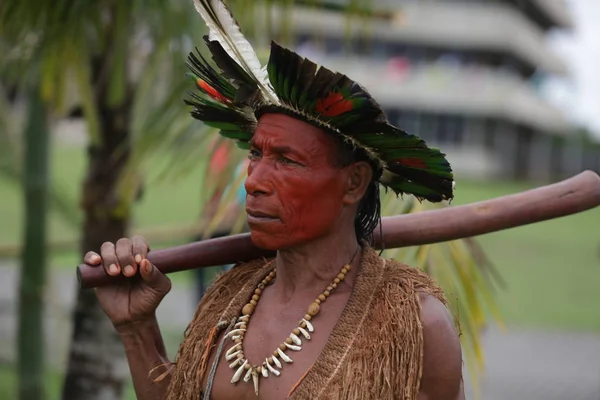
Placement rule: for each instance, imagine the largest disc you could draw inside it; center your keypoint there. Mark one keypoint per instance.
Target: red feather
(333, 105)
(211, 91)
(412, 162)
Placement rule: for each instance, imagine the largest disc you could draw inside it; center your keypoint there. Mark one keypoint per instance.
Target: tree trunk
(33, 270)
(97, 366)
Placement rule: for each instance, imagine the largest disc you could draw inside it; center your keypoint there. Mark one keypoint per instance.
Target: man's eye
(254, 154)
(286, 160)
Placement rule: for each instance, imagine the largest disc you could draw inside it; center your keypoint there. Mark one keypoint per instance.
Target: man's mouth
(255, 216)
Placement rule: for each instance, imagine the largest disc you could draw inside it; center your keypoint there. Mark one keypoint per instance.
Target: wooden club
(573, 195)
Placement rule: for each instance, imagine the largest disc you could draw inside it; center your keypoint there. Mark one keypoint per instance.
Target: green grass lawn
(552, 268)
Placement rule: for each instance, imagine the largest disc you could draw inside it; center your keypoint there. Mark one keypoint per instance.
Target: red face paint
(294, 191)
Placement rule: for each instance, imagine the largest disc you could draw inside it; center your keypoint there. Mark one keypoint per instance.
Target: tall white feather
(223, 28)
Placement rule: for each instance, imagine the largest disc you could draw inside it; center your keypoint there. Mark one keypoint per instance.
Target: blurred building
(466, 75)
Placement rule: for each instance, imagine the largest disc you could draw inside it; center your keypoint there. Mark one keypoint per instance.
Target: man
(327, 318)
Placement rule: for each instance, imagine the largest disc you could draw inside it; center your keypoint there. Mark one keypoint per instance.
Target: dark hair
(368, 214)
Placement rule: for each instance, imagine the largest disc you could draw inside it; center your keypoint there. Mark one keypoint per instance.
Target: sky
(581, 49)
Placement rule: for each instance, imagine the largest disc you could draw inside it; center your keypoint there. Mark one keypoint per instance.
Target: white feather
(223, 28)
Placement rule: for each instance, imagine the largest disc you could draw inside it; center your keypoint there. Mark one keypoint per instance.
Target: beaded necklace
(272, 365)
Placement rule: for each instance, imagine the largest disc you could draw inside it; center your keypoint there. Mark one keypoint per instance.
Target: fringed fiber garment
(375, 351)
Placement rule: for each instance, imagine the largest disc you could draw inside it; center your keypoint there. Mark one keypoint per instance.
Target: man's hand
(136, 297)
(442, 358)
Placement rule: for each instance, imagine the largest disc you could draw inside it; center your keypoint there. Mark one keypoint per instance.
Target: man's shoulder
(410, 278)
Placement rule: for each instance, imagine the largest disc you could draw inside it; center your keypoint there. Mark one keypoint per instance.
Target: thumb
(153, 277)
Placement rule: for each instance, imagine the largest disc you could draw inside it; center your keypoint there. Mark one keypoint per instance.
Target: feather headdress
(234, 98)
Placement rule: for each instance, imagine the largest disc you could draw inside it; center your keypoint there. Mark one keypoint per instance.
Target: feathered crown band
(233, 99)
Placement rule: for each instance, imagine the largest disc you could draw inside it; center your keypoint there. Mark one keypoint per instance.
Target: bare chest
(267, 331)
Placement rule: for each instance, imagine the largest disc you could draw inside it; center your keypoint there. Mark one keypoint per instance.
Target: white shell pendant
(255, 380)
(235, 332)
(292, 347)
(304, 333)
(295, 339)
(284, 357)
(235, 363)
(248, 375)
(238, 373)
(233, 349)
(264, 371)
(277, 363)
(233, 355)
(271, 369)
(309, 326)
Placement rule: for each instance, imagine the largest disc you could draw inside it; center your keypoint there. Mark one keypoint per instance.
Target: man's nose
(258, 182)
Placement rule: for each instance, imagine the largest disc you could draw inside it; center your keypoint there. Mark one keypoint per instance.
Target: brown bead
(270, 360)
(303, 324)
(243, 326)
(259, 369)
(347, 266)
(282, 346)
(341, 276)
(313, 309)
(247, 366)
(322, 297)
(326, 293)
(289, 340)
(344, 271)
(336, 280)
(275, 353)
(296, 332)
(241, 355)
(255, 297)
(334, 285)
(318, 301)
(253, 302)
(237, 341)
(257, 291)
(307, 317)
(330, 288)
(272, 274)
(248, 309)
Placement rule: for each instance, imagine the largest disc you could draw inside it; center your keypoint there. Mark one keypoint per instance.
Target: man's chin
(264, 240)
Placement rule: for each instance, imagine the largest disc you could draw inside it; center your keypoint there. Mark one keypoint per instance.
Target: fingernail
(128, 270)
(138, 258)
(113, 269)
(94, 258)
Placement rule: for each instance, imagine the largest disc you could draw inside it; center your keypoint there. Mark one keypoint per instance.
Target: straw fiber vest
(374, 352)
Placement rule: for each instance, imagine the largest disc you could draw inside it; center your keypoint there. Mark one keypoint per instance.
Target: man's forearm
(146, 352)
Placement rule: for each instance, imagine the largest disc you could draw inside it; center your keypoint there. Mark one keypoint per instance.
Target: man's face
(294, 190)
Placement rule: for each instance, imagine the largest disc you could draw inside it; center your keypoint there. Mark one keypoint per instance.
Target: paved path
(521, 364)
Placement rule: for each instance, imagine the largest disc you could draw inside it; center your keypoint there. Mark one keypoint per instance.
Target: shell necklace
(272, 365)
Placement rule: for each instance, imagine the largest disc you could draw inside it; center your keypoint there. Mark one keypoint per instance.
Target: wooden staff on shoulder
(573, 195)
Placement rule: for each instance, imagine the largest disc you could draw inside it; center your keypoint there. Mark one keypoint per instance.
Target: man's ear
(359, 176)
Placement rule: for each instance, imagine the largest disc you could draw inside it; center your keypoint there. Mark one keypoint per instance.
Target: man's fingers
(154, 278)
(109, 259)
(140, 248)
(92, 258)
(125, 255)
